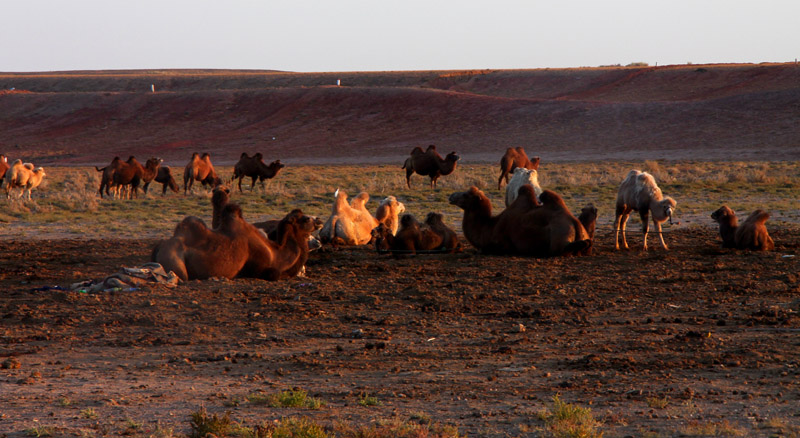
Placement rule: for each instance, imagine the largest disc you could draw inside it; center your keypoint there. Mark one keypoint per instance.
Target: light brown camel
(200, 169)
(512, 159)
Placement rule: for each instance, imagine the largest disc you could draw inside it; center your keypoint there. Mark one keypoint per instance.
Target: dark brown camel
(269, 260)
(751, 234)
(588, 218)
(429, 163)
(196, 252)
(107, 178)
(4, 166)
(127, 174)
(513, 158)
(200, 169)
(164, 177)
(413, 236)
(526, 227)
(255, 168)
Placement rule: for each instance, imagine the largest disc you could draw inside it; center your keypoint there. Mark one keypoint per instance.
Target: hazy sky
(375, 35)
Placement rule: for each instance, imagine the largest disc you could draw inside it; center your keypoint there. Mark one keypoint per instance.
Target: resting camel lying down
(349, 224)
(751, 234)
(526, 227)
(413, 236)
(235, 249)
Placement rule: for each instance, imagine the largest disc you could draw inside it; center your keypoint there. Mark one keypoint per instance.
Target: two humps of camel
(352, 224)
(529, 226)
(414, 237)
(24, 176)
(751, 234)
(200, 169)
(235, 248)
(255, 168)
(429, 163)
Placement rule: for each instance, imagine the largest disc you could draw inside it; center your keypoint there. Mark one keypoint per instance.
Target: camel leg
(645, 225)
(252, 183)
(619, 225)
(408, 177)
(623, 225)
(503, 174)
(660, 234)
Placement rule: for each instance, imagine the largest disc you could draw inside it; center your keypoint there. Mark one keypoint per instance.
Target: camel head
(534, 164)
(452, 157)
(667, 206)
(472, 199)
(277, 165)
(153, 163)
(726, 215)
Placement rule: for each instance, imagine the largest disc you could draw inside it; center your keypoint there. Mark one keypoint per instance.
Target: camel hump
(758, 217)
(431, 147)
(417, 150)
(244, 156)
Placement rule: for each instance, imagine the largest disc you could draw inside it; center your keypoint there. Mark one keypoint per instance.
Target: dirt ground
(480, 342)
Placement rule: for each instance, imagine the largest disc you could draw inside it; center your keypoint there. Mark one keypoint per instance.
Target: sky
(378, 35)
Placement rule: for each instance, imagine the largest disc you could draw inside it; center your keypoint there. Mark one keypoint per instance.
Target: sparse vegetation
(657, 402)
(711, 429)
(292, 398)
(203, 424)
(89, 413)
(566, 420)
(40, 431)
(367, 400)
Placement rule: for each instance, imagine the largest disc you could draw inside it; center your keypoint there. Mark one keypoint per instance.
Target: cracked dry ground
(713, 333)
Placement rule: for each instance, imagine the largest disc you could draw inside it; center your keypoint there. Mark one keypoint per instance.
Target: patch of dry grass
(67, 203)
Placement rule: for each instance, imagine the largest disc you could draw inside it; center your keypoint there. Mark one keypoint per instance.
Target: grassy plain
(68, 206)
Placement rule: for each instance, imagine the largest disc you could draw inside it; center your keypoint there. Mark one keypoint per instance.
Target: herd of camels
(535, 222)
